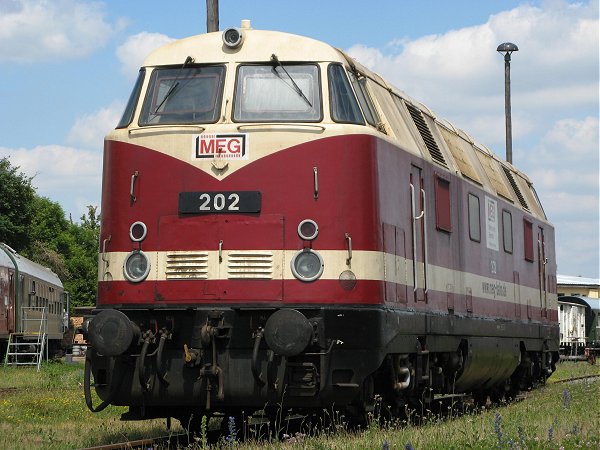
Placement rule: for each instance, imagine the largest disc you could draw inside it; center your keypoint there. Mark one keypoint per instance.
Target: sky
(67, 68)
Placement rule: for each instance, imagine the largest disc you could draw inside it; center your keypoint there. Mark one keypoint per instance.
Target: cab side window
(344, 106)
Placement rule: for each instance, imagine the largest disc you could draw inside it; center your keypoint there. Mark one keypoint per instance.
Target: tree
(46, 233)
(16, 206)
(82, 260)
(37, 228)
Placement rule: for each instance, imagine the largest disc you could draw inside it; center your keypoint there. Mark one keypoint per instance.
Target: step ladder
(29, 346)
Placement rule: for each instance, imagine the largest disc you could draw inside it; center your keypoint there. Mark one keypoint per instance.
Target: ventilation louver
(515, 187)
(425, 133)
(187, 265)
(250, 264)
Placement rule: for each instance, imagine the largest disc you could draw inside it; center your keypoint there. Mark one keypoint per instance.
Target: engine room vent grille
(253, 264)
(455, 144)
(490, 168)
(425, 133)
(515, 187)
(187, 265)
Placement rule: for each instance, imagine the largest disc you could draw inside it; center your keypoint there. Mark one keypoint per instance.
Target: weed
(498, 429)
(566, 398)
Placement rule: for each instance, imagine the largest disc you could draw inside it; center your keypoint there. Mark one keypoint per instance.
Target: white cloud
(89, 130)
(135, 49)
(34, 30)
(566, 159)
(67, 175)
(577, 249)
(460, 75)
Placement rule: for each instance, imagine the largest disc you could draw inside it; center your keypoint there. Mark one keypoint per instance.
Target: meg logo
(225, 146)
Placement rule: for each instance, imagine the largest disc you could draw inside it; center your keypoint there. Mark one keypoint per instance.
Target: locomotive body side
(317, 253)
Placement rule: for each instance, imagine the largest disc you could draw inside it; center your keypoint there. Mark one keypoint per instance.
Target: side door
(4, 301)
(8, 306)
(418, 248)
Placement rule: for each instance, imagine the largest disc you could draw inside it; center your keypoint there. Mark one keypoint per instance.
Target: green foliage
(16, 210)
(83, 260)
(36, 227)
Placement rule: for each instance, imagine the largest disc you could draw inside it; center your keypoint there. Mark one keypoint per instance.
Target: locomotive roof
(28, 267)
(258, 45)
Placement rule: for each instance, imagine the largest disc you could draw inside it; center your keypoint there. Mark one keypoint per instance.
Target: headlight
(136, 266)
(307, 265)
(308, 229)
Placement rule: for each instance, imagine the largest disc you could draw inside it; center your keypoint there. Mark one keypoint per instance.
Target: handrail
(425, 241)
(421, 216)
(414, 236)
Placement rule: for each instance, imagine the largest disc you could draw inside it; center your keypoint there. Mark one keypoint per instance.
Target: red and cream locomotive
(283, 228)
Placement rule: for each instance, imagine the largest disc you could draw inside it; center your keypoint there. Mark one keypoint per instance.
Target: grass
(47, 411)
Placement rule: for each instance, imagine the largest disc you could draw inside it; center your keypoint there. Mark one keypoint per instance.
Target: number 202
(219, 203)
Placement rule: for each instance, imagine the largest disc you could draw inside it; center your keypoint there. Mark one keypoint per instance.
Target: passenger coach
(33, 308)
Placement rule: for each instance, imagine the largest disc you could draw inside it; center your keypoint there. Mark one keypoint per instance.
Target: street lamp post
(507, 48)
(212, 16)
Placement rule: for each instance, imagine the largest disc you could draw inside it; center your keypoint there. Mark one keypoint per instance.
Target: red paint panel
(285, 180)
(236, 232)
(204, 292)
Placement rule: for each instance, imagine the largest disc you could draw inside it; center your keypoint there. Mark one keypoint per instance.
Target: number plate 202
(219, 202)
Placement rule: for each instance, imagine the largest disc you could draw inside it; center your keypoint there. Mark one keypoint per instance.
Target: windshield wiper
(187, 61)
(296, 87)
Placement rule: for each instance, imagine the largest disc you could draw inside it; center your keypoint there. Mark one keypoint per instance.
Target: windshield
(271, 94)
(184, 95)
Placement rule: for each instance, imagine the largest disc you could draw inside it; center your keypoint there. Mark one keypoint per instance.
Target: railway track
(172, 441)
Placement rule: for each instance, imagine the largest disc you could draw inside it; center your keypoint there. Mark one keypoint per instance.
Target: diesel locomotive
(282, 228)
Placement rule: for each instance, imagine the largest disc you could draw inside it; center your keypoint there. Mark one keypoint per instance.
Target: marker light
(138, 231)
(308, 229)
(347, 280)
(307, 265)
(136, 266)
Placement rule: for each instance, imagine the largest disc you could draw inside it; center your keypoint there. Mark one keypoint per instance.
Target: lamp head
(507, 48)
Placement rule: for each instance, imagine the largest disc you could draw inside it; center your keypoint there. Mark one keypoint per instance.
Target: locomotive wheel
(360, 412)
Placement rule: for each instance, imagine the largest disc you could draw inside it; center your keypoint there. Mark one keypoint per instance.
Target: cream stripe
(366, 265)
